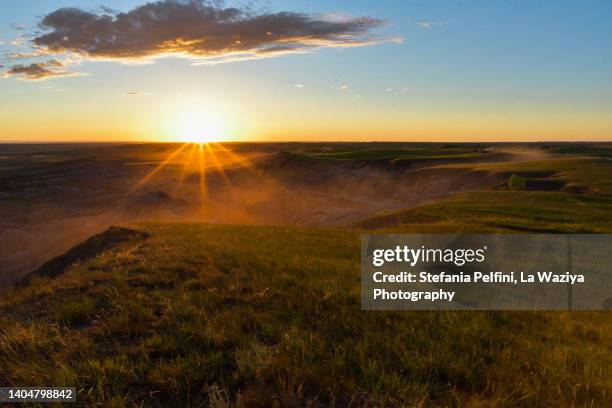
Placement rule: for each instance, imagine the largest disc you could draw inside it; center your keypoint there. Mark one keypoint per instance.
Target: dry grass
(199, 315)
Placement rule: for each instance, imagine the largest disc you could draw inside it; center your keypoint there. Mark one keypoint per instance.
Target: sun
(199, 126)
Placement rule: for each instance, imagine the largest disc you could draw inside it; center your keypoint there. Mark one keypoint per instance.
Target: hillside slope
(502, 212)
(192, 314)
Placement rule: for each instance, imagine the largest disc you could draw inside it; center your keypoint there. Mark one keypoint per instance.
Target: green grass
(76, 311)
(267, 316)
(503, 212)
(590, 149)
(407, 153)
(586, 173)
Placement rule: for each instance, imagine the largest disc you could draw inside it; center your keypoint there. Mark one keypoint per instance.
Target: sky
(371, 70)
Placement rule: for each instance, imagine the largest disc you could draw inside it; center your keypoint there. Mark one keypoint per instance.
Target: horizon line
(42, 142)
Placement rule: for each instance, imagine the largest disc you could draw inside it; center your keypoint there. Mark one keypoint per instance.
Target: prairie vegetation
(192, 313)
(265, 316)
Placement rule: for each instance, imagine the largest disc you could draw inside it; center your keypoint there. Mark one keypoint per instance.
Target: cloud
(426, 25)
(17, 41)
(135, 93)
(298, 85)
(249, 56)
(39, 70)
(108, 10)
(22, 55)
(198, 29)
(343, 88)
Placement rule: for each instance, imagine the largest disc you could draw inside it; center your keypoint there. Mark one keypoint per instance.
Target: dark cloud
(38, 70)
(197, 28)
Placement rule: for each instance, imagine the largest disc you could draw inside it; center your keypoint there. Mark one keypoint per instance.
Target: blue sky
(466, 70)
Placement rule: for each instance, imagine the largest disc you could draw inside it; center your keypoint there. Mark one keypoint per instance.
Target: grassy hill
(502, 212)
(196, 314)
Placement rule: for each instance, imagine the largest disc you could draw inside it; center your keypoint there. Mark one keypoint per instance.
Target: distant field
(415, 153)
(270, 315)
(503, 212)
(585, 149)
(579, 173)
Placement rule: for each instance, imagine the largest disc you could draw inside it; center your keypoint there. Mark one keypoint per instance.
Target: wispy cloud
(135, 93)
(396, 91)
(427, 25)
(343, 88)
(17, 42)
(23, 55)
(39, 70)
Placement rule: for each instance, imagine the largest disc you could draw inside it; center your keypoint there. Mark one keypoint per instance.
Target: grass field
(579, 173)
(411, 153)
(503, 212)
(257, 316)
(196, 314)
(584, 149)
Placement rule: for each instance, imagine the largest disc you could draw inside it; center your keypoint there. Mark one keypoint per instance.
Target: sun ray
(157, 169)
(236, 158)
(217, 164)
(185, 167)
(202, 180)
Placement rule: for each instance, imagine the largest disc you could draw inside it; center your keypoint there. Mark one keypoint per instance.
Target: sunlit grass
(502, 212)
(199, 313)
